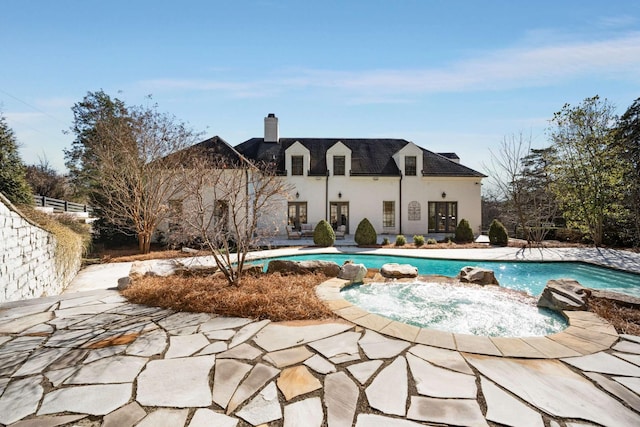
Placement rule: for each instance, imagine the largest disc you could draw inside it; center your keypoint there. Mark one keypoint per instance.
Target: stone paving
(93, 359)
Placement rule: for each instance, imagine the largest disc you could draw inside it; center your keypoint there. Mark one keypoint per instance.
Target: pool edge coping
(586, 334)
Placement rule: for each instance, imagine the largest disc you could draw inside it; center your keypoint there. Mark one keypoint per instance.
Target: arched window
(414, 211)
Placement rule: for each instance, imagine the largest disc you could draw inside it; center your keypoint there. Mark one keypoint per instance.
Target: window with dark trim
(338, 165)
(297, 163)
(221, 215)
(410, 165)
(388, 214)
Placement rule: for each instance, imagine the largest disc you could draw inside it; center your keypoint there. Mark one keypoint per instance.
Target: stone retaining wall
(28, 265)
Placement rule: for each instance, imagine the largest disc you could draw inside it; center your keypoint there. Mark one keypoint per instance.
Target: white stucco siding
(463, 190)
(365, 197)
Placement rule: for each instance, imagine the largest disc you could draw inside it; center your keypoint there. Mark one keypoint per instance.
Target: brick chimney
(271, 128)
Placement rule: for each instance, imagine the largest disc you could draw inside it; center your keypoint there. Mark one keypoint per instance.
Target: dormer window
(410, 165)
(338, 165)
(297, 165)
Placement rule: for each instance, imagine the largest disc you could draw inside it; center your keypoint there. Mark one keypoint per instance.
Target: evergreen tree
(12, 171)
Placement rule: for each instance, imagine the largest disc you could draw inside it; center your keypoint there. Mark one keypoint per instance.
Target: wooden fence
(60, 206)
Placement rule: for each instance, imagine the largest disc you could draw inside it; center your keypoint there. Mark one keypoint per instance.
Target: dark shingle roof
(368, 156)
(215, 149)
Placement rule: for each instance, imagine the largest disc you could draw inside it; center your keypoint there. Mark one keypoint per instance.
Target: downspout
(326, 198)
(400, 205)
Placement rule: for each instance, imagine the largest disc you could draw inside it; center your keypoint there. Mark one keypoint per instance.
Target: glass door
(443, 217)
(339, 215)
(297, 214)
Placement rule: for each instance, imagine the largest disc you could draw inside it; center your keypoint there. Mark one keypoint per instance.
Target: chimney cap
(271, 115)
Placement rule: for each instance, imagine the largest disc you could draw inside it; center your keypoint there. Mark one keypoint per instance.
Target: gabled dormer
(409, 160)
(338, 159)
(298, 160)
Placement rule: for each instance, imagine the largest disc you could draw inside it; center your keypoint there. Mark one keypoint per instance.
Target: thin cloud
(501, 70)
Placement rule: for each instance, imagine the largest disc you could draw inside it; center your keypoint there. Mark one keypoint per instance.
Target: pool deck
(90, 358)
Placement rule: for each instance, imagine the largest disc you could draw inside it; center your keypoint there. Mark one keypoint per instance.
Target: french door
(339, 215)
(443, 217)
(297, 214)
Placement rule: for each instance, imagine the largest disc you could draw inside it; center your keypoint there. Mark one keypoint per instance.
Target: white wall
(366, 194)
(28, 265)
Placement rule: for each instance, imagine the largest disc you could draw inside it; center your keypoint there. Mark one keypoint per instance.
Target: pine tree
(13, 183)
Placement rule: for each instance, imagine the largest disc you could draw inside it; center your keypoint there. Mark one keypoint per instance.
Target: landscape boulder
(156, 267)
(564, 294)
(398, 271)
(354, 273)
(478, 276)
(328, 268)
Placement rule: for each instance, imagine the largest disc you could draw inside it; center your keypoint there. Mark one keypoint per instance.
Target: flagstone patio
(93, 359)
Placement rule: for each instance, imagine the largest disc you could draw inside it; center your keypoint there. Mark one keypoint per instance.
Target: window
(410, 165)
(297, 167)
(443, 217)
(221, 215)
(414, 211)
(388, 214)
(175, 215)
(338, 165)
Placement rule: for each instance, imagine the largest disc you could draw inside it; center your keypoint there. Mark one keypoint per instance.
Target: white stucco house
(400, 187)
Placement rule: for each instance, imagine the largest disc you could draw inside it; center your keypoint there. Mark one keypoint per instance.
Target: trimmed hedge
(365, 233)
(464, 233)
(498, 234)
(323, 234)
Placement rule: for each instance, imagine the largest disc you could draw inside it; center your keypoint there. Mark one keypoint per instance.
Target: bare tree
(522, 180)
(229, 207)
(138, 162)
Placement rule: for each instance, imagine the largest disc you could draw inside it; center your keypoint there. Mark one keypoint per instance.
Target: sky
(450, 76)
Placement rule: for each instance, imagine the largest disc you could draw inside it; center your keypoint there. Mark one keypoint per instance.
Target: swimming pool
(527, 276)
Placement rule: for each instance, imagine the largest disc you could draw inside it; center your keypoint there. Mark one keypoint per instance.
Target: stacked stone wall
(28, 265)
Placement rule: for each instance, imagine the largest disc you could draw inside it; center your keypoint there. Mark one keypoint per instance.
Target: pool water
(486, 311)
(530, 277)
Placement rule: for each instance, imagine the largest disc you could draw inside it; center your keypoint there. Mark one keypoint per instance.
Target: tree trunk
(144, 242)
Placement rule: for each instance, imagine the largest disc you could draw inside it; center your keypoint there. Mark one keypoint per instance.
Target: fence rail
(60, 206)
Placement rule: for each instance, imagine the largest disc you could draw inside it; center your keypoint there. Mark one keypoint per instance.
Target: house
(400, 187)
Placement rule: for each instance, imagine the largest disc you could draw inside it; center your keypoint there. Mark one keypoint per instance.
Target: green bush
(464, 233)
(385, 241)
(498, 234)
(418, 240)
(431, 241)
(323, 234)
(400, 240)
(365, 233)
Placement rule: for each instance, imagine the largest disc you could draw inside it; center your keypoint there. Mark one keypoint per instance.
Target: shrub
(418, 240)
(569, 235)
(498, 234)
(431, 241)
(464, 233)
(385, 241)
(400, 240)
(323, 234)
(365, 233)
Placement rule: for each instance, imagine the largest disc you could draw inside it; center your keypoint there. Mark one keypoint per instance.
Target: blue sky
(447, 75)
